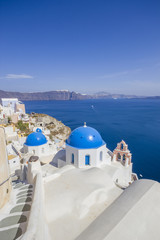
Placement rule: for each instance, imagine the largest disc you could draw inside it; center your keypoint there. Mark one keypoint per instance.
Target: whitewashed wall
(14, 164)
(123, 175)
(41, 150)
(79, 156)
(37, 228)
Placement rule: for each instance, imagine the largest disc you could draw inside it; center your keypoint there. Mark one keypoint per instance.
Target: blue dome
(36, 138)
(84, 138)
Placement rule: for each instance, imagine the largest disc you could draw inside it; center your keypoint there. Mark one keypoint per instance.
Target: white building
(10, 102)
(44, 130)
(13, 158)
(14, 163)
(36, 144)
(11, 134)
(12, 107)
(6, 112)
(85, 147)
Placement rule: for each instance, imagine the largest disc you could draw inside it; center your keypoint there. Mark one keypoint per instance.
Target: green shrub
(23, 127)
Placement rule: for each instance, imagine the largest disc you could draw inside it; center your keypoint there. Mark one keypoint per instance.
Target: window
(72, 160)
(101, 156)
(124, 159)
(122, 146)
(118, 157)
(42, 150)
(87, 160)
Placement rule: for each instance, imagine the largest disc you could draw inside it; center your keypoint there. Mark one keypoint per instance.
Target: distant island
(66, 95)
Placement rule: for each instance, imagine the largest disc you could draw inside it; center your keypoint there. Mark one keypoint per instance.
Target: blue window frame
(87, 160)
(72, 161)
(101, 156)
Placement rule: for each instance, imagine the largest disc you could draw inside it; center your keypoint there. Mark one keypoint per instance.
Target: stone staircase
(14, 216)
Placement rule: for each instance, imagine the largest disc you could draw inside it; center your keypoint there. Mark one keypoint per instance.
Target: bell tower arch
(122, 154)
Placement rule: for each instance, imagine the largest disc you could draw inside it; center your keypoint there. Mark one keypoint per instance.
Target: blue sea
(136, 121)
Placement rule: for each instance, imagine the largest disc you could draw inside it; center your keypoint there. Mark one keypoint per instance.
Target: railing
(5, 181)
(15, 150)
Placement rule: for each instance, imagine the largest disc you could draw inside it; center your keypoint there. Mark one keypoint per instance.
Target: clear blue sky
(80, 45)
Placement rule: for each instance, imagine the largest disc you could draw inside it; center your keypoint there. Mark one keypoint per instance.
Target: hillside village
(18, 125)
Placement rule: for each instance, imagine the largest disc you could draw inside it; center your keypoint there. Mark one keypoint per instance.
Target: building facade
(85, 147)
(5, 180)
(36, 144)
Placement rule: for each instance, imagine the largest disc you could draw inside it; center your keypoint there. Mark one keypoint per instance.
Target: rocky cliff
(61, 95)
(52, 95)
(57, 128)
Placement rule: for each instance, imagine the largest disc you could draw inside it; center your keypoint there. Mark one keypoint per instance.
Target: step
(10, 234)
(23, 192)
(18, 185)
(21, 208)
(23, 200)
(12, 220)
(26, 187)
(24, 195)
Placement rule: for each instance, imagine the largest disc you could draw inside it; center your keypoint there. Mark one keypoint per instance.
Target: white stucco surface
(94, 156)
(14, 164)
(75, 197)
(134, 215)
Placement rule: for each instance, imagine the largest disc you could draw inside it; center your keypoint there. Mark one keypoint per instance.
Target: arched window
(118, 157)
(101, 156)
(42, 150)
(72, 160)
(87, 160)
(122, 146)
(124, 159)
(33, 151)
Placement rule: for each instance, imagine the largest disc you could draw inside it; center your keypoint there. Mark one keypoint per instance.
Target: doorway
(87, 160)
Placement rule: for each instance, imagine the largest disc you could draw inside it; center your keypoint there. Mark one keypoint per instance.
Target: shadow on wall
(60, 155)
(22, 150)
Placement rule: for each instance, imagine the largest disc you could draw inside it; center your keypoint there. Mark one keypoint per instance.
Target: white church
(36, 143)
(85, 148)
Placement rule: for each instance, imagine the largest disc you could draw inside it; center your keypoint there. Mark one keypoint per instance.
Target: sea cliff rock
(52, 95)
(57, 128)
(61, 95)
